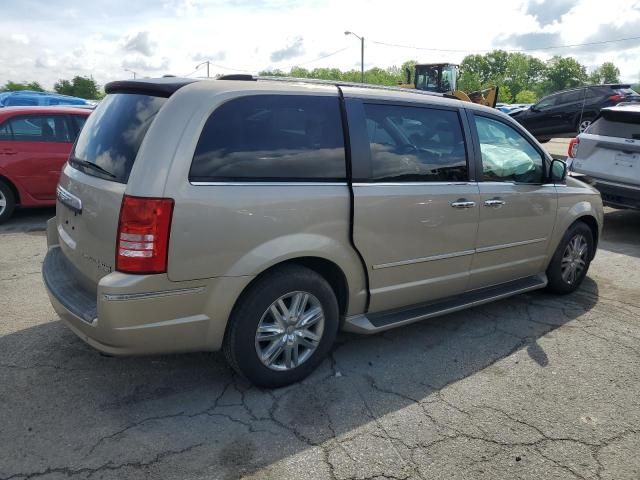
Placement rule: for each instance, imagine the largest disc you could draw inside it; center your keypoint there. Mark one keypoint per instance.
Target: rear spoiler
(157, 87)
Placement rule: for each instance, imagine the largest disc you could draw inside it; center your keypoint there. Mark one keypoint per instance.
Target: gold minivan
(259, 216)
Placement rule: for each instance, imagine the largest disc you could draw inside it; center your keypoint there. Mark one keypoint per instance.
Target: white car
(608, 152)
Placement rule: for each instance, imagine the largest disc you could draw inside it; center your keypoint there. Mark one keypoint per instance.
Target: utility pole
(361, 53)
(207, 62)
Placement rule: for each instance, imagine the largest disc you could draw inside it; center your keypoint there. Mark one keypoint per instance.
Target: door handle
(9, 151)
(494, 202)
(462, 203)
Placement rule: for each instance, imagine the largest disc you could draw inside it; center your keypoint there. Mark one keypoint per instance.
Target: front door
(415, 204)
(517, 210)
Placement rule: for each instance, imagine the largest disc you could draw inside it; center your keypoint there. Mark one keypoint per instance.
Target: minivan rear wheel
(7, 202)
(282, 327)
(571, 260)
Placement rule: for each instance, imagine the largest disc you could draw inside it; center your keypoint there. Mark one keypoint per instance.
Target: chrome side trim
(424, 259)
(462, 253)
(269, 184)
(509, 245)
(119, 297)
(412, 184)
(69, 199)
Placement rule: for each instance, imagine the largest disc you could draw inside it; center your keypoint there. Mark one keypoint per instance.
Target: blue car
(38, 99)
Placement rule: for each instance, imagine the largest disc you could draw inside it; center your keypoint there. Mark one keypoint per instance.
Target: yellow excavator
(443, 78)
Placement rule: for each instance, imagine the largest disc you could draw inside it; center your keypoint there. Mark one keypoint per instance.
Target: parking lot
(536, 386)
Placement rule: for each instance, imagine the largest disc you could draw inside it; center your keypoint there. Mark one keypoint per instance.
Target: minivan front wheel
(283, 327)
(571, 260)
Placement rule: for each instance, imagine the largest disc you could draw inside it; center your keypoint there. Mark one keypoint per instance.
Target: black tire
(7, 194)
(558, 284)
(543, 140)
(239, 344)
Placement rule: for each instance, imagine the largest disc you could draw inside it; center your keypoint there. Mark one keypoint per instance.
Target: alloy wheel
(584, 124)
(574, 259)
(3, 202)
(289, 331)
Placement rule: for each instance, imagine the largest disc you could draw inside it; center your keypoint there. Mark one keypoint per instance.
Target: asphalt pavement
(532, 387)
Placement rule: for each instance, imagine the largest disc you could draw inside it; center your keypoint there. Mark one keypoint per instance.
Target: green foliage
(605, 73)
(83, 87)
(526, 96)
(504, 94)
(563, 73)
(11, 86)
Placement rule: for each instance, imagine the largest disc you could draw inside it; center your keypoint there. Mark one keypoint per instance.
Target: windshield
(113, 133)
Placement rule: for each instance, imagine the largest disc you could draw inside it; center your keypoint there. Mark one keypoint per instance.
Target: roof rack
(335, 83)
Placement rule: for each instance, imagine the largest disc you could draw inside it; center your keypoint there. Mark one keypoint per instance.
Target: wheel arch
(592, 223)
(327, 269)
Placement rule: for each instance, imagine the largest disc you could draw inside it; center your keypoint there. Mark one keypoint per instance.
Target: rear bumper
(141, 314)
(616, 194)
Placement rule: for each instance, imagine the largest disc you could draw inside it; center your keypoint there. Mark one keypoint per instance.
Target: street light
(207, 63)
(131, 71)
(361, 54)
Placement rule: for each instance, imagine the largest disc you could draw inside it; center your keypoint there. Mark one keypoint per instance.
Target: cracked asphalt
(533, 387)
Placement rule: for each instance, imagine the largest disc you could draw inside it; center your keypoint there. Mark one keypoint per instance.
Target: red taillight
(143, 234)
(616, 98)
(573, 147)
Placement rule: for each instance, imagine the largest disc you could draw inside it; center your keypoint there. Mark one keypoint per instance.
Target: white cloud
(141, 43)
(20, 38)
(171, 36)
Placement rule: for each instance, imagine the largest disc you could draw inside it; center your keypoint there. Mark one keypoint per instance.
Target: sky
(47, 40)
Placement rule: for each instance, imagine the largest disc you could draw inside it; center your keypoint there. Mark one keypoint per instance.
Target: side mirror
(533, 108)
(557, 171)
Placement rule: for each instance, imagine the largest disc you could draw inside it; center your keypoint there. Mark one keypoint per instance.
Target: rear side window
(272, 137)
(111, 136)
(5, 131)
(622, 128)
(415, 144)
(40, 128)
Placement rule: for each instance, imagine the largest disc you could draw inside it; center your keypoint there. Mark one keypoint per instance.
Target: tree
(504, 94)
(605, 73)
(526, 96)
(83, 87)
(563, 73)
(11, 86)
(469, 82)
(476, 67)
(523, 72)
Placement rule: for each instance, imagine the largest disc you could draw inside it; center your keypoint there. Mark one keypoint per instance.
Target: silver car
(608, 152)
(261, 216)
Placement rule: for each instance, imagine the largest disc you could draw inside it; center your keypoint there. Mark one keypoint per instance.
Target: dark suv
(567, 113)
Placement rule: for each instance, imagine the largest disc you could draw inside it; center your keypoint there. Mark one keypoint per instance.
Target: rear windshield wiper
(92, 166)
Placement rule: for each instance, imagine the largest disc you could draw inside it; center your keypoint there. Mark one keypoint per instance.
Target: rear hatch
(94, 180)
(610, 148)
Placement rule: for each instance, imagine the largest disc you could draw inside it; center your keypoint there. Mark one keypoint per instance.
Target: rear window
(272, 138)
(111, 136)
(620, 126)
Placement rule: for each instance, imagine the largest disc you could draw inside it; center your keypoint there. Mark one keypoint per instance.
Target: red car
(34, 145)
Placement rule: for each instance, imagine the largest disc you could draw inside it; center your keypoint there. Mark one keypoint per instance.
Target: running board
(380, 321)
